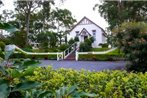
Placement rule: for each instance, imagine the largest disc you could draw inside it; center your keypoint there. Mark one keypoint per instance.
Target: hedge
(21, 55)
(115, 55)
(101, 57)
(106, 84)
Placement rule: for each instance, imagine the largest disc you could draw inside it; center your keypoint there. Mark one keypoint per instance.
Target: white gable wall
(89, 28)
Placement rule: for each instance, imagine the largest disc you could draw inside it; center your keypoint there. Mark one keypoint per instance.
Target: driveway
(87, 65)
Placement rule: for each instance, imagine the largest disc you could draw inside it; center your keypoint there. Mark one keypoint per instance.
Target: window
(93, 30)
(94, 34)
(77, 33)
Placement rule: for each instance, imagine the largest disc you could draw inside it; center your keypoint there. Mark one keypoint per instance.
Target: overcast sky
(79, 9)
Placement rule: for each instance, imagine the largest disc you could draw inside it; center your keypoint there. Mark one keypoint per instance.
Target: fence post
(77, 56)
(59, 56)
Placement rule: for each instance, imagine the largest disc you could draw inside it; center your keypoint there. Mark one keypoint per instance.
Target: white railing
(70, 50)
(102, 52)
(59, 54)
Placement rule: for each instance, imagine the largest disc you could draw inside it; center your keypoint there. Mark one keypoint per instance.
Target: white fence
(103, 52)
(59, 54)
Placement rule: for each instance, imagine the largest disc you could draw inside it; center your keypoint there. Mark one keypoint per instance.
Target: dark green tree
(18, 38)
(117, 12)
(48, 37)
(131, 38)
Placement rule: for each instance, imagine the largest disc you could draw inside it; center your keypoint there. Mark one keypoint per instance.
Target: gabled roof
(85, 31)
(104, 33)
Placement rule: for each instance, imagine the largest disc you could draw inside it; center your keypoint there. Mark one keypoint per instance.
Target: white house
(86, 28)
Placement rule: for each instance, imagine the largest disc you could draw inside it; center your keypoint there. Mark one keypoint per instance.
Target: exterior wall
(89, 28)
(104, 39)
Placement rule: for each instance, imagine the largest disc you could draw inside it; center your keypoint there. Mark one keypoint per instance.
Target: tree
(64, 21)
(1, 4)
(117, 12)
(131, 38)
(18, 38)
(26, 8)
(47, 37)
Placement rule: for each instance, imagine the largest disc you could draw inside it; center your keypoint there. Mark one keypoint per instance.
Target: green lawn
(111, 56)
(99, 49)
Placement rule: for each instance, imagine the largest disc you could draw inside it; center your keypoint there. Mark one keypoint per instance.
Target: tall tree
(27, 8)
(63, 20)
(117, 12)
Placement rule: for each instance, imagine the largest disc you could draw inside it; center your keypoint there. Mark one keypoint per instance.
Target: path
(87, 65)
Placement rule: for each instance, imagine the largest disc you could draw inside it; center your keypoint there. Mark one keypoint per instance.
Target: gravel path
(87, 65)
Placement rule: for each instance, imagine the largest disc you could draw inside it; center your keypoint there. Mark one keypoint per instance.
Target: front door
(85, 37)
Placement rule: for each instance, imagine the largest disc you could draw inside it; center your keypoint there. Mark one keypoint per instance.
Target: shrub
(132, 39)
(28, 48)
(106, 84)
(87, 45)
(50, 57)
(21, 55)
(101, 57)
(2, 45)
(63, 47)
(44, 46)
(76, 39)
(105, 45)
(84, 47)
(71, 41)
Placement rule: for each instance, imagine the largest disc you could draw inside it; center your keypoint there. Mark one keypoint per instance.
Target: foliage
(18, 38)
(117, 12)
(41, 16)
(63, 21)
(115, 55)
(13, 79)
(7, 27)
(76, 39)
(111, 40)
(63, 47)
(86, 45)
(131, 38)
(105, 84)
(47, 39)
(101, 57)
(99, 49)
(24, 56)
(14, 82)
(28, 48)
(104, 45)
(2, 45)
(71, 41)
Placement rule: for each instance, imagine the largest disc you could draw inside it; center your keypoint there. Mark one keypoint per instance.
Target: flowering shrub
(132, 39)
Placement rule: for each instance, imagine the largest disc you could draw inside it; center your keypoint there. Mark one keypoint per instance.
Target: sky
(79, 9)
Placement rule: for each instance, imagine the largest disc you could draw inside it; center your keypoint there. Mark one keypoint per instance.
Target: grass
(115, 55)
(116, 51)
(99, 49)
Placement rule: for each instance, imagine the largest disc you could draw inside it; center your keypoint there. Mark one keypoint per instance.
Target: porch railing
(70, 50)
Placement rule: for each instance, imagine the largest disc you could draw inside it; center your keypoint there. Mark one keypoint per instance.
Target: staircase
(71, 56)
(70, 53)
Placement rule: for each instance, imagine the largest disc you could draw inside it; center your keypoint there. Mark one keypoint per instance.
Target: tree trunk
(27, 28)
(28, 21)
